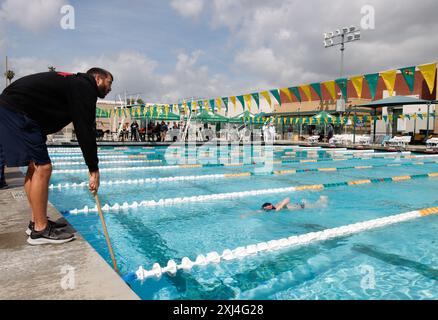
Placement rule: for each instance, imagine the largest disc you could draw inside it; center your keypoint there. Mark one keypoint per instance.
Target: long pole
(105, 231)
(6, 73)
(427, 126)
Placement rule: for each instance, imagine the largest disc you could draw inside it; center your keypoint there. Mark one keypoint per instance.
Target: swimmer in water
(286, 205)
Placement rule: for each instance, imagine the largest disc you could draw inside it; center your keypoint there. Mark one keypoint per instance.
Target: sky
(170, 50)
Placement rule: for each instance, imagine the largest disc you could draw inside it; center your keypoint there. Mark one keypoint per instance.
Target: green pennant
(276, 94)
(420, 115)
(409, 76)
(408, 116)
(256, 97)
(317, 87)
(342, 84)
(432, 114)
(372, 80)
(200, 105)
(189, 104)
(211, 104)
(385, 118)
(242, 101)
(296, 92)
(225, 100)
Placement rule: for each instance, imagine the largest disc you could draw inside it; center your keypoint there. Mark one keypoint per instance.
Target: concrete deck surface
(69, 271)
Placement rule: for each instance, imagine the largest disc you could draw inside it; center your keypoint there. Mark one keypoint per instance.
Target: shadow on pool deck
(41, 272)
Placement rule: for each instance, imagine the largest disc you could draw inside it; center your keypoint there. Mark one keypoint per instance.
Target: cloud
(188, 8)
(27, 65)
(32, 15)
(139, 74)
(280, 42)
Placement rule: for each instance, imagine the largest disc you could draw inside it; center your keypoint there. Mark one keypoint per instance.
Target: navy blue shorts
(21, 140)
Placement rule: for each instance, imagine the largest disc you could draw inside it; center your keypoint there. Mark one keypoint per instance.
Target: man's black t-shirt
(54, 99)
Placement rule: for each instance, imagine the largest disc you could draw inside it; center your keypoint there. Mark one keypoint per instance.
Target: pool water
(394, 262)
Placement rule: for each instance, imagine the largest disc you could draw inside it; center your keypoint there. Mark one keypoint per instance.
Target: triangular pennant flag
(330, 86)
(420, 115)
(317, 87)
(372, 80)
(200, 105)
(287, 93)
(189, 104)
(206, 106)
(385, 118)
(218, 104)
(233, 101)
(247, 98)
(256, 97)
(166, 110)
(276, 94)
(211, 102)
(357, 82)
(409, 76)
(389, 80)
(429, 72)
(296, 92)
(414, 116)
(225, 100)
(342, 84)
(266, 95)
(194, 106)
(306, 90)
(242, 101)
(408, 116)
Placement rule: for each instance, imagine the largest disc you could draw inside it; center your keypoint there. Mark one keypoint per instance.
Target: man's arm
(83, 100)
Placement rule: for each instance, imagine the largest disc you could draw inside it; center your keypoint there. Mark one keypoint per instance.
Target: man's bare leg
(39, 194)
(27, 185)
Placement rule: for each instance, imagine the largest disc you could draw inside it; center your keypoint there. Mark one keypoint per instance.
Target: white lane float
(275, 245)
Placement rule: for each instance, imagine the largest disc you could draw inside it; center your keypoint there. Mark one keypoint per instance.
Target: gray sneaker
(50, 235)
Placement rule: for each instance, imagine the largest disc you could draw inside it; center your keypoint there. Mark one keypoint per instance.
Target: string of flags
(299, 93)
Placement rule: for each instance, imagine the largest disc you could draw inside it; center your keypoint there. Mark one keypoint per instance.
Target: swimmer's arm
(282, 204)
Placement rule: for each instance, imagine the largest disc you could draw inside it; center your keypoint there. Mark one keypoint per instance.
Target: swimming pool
(159, 209)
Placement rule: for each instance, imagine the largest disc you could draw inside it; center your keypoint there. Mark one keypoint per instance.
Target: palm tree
(9, 75)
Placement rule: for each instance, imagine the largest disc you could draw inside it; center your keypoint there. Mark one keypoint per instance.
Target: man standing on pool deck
(41, 104)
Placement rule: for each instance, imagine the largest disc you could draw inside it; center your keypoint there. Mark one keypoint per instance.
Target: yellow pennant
(185, 108)
(357, 82)
(330, 86)
(247, 98)
(194, 106)
(233, 101)
(402, 116)
(218, 103)
(390, 117)
(389, 80)
(166, 110)
(306, 90)
(206, 105)
(414, 116)
(286, 91)
(266, 95)
(429, 72)
(158, 111)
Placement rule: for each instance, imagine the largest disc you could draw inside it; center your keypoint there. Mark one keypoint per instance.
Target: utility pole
(6, 72)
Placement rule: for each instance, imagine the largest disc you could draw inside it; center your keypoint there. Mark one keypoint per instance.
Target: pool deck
(72, 271)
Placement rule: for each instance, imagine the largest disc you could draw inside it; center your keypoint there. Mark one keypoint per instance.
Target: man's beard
(102, 92)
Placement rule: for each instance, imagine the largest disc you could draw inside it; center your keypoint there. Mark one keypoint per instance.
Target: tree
(9, 75)
(52, 68)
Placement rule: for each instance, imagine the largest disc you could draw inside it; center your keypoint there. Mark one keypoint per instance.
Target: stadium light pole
(340, 37)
